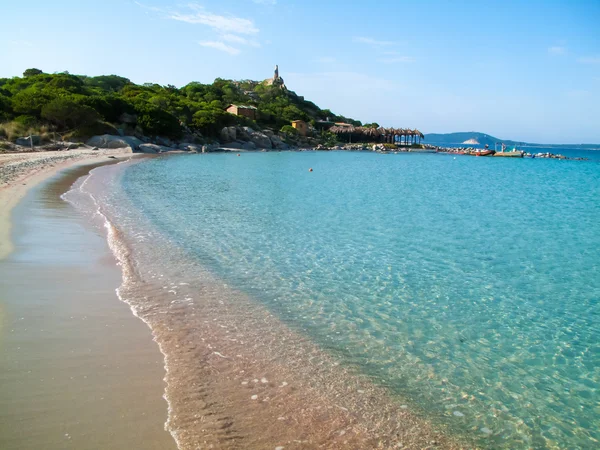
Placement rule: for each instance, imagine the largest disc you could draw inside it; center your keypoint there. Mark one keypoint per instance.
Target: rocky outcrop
(27, 141)
(243, 134)
(165, 142)
(261, 140)
(153, 148)
(278, 144)
(228, 134)
(188, 147)
(241, 145)
(111, 141)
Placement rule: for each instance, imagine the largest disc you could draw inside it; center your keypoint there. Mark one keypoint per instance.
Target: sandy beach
(19, 172)
(78, 369)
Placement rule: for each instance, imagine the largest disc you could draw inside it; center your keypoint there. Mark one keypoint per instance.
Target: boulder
(165, 141)
(277, 143)
(243, 134)
(188, 147)
(261, 140)
(228, 134)
(153, 148)
(110, 141)
(241, 145)
(210, 148)
(26, 141)
(269, 133)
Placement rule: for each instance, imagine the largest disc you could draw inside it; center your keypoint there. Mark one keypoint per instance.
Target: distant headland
(476, 138)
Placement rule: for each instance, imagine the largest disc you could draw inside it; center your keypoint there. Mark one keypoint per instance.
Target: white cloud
(557, 50)
(397, 59)
(239, 40)
(589, 60)
(371, 41)
(220, 46)
(223, 24)
(229, 28)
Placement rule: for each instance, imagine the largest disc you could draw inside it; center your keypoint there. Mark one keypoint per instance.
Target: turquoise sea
(468, 287)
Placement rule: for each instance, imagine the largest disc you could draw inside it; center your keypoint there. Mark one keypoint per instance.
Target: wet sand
(77, 369)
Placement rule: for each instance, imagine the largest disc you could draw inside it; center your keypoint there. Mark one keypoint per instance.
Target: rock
(261, 140)
(128, 118)
(228, 134)
(26, 141)
(186, 146)
(242, 134)
(277, 143)
(72, 146)
(241, 145)
(210, 148)
(121, 131)
(110, 141)
(164, 141)
(153, 148)
(379, 148)
(269, 133)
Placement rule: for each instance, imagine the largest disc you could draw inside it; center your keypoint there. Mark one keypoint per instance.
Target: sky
(521, 70)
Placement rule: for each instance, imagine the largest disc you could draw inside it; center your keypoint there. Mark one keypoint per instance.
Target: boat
(514, 153)
(482, 153)
(511, 154)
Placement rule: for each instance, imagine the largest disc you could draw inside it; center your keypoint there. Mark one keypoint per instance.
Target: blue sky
(524, 70)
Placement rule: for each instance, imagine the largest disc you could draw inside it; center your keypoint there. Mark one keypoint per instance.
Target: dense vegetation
(81, 106)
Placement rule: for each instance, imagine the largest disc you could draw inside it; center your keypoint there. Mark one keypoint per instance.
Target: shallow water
(466, 287)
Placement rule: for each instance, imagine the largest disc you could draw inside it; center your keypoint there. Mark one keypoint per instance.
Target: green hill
(81, 106)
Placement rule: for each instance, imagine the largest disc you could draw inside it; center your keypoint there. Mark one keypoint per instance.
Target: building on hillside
(239, 110)
(301, 126)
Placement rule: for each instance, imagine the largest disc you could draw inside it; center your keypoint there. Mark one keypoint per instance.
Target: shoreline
(66, 383)
(20, 172)
(240, 369)
(319, 411)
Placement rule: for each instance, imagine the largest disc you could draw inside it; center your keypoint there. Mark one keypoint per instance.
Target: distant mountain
(467, 138)
(474, 138)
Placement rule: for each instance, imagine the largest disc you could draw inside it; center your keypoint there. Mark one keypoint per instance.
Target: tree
(32, 72)
(68, 113)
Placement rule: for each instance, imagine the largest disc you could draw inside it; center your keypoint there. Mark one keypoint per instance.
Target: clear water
(468, 286)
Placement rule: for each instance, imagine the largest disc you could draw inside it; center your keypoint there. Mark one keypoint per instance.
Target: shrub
(289, 130)
(68, 113)
(26, 121)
